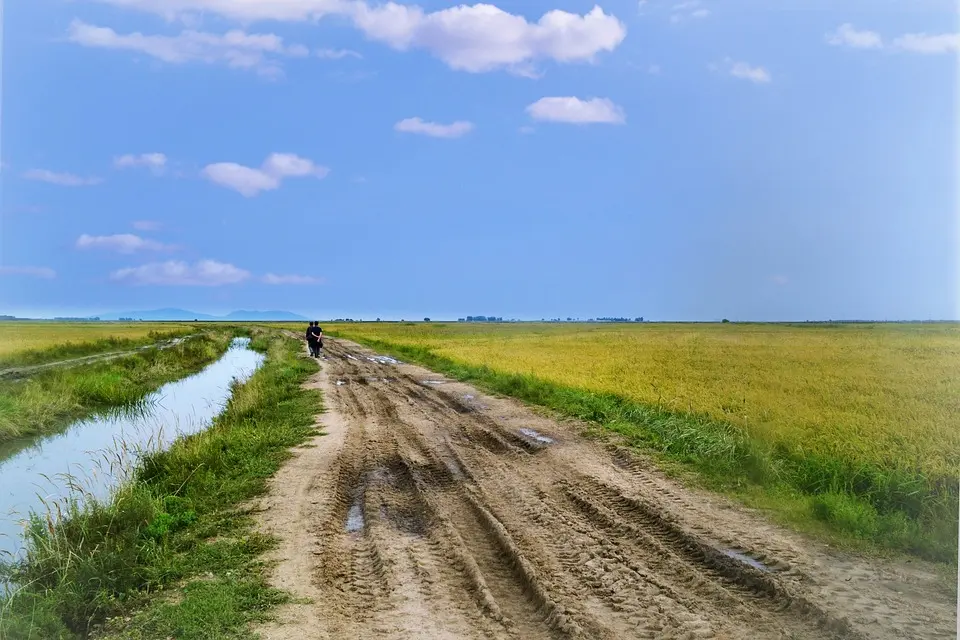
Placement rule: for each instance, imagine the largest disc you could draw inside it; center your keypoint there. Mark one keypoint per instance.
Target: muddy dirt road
(430, 510)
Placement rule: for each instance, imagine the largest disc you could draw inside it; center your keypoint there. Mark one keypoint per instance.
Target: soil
(431, 510)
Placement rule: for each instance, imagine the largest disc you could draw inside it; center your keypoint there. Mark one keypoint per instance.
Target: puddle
(95, 455)
(340, 383)
(536, 435)
(352, 357)
(355, 517)
(383, 360)
(468, 397)
(433, 381)
(756, 564)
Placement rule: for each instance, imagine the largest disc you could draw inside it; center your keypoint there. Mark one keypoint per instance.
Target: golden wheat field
(18, 337)
(880, 394)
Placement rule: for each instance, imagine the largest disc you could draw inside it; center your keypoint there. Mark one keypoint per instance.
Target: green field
(862, 421)
(23, 343)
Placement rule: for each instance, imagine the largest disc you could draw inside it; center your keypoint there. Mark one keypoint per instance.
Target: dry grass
(884, 395)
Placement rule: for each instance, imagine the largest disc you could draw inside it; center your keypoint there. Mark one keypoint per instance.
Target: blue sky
(676, 160)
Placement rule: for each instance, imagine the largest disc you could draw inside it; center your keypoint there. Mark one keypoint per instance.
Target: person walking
(315, 336)
(312, 340)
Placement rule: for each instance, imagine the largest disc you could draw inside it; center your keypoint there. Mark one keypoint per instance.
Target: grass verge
(853, 504)
(180, 523)
(47, 400)
(84, 347)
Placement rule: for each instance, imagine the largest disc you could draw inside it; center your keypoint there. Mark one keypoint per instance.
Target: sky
(684, 160)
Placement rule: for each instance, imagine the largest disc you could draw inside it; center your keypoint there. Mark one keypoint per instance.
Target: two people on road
(315, 339)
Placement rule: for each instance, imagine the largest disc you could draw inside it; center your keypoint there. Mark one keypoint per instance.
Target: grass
(27, 343)
(852, 430)
(179, 526)
(50, 399)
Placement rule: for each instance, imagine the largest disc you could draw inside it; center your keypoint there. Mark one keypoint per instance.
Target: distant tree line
(480, 319)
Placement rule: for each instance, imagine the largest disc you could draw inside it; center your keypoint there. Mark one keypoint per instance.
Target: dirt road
(430, 510)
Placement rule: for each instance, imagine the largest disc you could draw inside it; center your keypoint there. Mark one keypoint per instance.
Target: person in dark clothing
(315, 338)
(312, 340)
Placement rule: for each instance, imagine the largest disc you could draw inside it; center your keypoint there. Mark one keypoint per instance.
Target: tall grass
(178, 523)
(47, 400)
(36, 343)
(893, 506)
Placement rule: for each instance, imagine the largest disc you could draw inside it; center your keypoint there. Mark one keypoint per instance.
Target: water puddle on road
(745, 559)
(536, 435)
(355, 518)
(383, 360)
(91, 457)
(433, 382)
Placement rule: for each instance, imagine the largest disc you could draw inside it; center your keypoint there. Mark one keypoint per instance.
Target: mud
(420, 515)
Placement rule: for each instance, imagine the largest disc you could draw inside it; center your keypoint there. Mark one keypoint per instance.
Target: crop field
(18, 339)
(873, 409)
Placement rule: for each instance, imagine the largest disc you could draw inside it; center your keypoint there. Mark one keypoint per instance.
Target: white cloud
(62, 179)
(475, 38)
(156, 162)
(146, 225)
(744, 71)
(235, 49)
(928, 43)
(434, 129)
(121, 243)
(271, 278)
(205, 273)
(33, 272)
(576, 111)
(337, 54)
(847, 35)
(250, 182)
(483, 37)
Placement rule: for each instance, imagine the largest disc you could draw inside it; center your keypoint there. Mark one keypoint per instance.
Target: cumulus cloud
(475, 38)
(846, 35)
(928, 43)
(31, 272)
(744, 71)
(576, 111)
(156, 162)
(236, 49)
(61, 179)
(121, 243)
(249, 182)
(272, 278)
(205, 273)
(434, 129)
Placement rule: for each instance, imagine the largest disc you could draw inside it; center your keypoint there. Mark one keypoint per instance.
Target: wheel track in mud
(449, 523)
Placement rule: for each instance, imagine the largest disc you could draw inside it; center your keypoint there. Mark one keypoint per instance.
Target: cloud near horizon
(250, 182)
(236, 49)
(743, 71)
(156, 162)
(60, 179)
(434, 129)
(204, 273)
(121, 243)
(275, 279)
(846, 35)
(573, 110)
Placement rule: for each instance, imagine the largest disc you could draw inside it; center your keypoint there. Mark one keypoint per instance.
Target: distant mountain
(184, 315)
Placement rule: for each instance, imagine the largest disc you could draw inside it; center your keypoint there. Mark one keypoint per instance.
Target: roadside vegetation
(180, 530)
(50, 399)
(29, 343)
(852, 431)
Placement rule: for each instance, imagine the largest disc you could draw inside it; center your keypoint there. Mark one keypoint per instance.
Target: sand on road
(431, 510)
